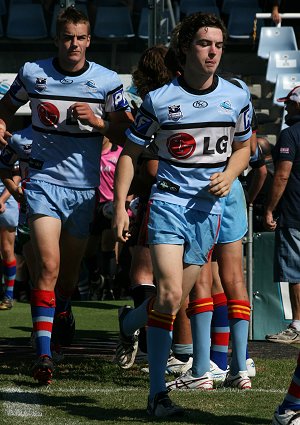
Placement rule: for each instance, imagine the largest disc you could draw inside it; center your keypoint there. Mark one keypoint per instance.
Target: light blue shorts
(177, 225)
(10, 217)
(234, 222)
(74, 207)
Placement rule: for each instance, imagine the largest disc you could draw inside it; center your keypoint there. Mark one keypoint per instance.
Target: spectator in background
(284, 197)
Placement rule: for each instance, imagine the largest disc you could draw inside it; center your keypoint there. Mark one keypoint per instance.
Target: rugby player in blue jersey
(202, 130)
(74, 102)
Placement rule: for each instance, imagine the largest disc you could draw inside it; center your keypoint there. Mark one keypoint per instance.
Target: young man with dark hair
(202, 129)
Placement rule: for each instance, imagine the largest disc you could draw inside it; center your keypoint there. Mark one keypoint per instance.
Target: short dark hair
(73, 16)
(191, 24)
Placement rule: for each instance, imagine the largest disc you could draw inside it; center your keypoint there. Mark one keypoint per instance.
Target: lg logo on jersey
(200, 104)
(183, 145)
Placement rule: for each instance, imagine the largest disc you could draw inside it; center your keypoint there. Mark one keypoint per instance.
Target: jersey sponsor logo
(181, 145)
(40, 84)
(119, 100)
(48, 114)
(142, 123)
(66, 81)
(200, 104)
(174, 112)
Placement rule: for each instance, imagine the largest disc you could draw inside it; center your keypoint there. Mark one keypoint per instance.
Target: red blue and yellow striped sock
(42, 312)
(200, 312)
(239, 316)
(220, 332)
(159, 341)
(9, 274)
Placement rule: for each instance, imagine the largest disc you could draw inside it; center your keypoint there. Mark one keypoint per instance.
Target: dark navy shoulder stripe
(70, 98)
(23, 102)
(245, 108)
(139, 135)
(148, 114)
(115, 90)
(242, 133)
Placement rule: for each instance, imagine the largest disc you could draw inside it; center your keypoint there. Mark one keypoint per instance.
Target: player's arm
(221, 182)
(281, 176)
(123, 177)
(7, 112)
(11, 182)
(113, 127)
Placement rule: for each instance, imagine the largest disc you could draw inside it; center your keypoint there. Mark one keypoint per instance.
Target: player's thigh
(141, 270)
(45, 234)
(7, 235)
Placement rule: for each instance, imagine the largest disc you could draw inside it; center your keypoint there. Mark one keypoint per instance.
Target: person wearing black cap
(285, 197)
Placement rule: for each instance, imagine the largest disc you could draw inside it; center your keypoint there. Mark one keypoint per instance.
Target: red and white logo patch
(181, 145)
(48, 114)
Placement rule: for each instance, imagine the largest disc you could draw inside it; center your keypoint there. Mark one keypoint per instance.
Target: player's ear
(88, 40)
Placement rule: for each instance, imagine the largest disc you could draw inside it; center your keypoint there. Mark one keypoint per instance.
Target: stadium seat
(241, 22)
(186, 6)
(206, 9)
(3, 8)
(26, 22)
(276, 38)
(113, 25)
(284, 84)
(143, 27)
(229, 5)
(282, 62)
(57, 9)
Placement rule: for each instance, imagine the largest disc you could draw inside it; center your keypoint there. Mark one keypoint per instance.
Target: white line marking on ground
(55, 390)
(23, 403)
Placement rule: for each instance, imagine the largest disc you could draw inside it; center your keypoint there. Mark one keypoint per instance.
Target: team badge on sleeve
(142, 123)
(247, 120)
(119, 100)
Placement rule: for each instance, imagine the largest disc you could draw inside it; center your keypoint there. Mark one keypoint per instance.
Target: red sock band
(199, 306)
(239, 309)
(160, 320)
(40, 298)
(219, 299)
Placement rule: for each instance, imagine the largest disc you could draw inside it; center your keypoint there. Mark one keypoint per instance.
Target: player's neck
(198, 81)
(70, 68)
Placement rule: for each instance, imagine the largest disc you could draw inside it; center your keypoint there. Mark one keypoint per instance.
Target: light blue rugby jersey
(64, 151)
(18, 150)
(194, 131)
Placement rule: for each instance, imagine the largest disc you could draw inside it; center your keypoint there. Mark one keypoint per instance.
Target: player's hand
(220, 184)
(83, 113)
(268, 221)
(3, 137)
(2, 207)
(18, 194)
(120, 225)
